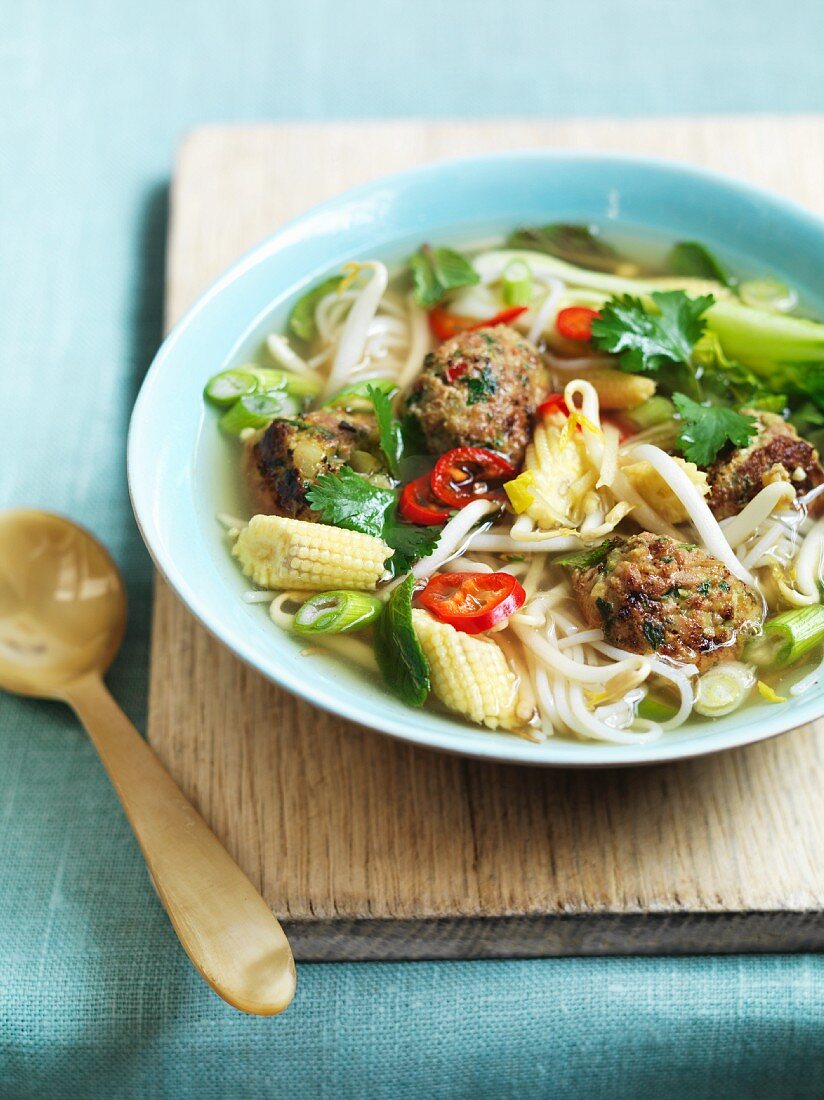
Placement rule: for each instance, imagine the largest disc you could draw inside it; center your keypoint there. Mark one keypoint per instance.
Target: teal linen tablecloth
(96, 999)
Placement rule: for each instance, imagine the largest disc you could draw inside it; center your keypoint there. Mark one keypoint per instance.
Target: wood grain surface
(368, 848)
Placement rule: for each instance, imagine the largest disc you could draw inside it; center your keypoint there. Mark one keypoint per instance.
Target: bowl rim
(521, 752)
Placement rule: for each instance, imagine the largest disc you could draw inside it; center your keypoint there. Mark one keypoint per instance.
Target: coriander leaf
(692, 259)
(653, 632)
(436, 271)
(414, 441)
(409, 542)
(347, 500)
(389, 430)
(577, 244)
(646, 341)
(707, 429)
(397, 650)
(301, 321)
(481, 387)
(585, 559)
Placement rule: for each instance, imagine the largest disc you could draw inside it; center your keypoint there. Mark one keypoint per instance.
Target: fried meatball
(651, 594)
(287, 458)
(776, 453)
(480, 389)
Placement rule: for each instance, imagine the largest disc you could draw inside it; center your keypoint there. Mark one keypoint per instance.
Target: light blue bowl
(181, 473)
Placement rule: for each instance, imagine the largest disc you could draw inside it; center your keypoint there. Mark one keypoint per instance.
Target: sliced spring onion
(355, 398)
(650, 413)
(516, 284)
(723, 688)
(256, 410)
(768, 293)
(786, 638)
(296, 385)
(655, 710)
(341, 612)
(225, 388)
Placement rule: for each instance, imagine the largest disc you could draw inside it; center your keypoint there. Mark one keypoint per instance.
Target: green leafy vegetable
(409, 542)
(692, 259)
(345, 499)
(389, 430)
(577, 244)
(436, 271)
(301, 321)
(585, 559)
(732, 382)
(646, 341)
(414, 441)
(653, 632)
(707, 429)
(481, 387)
(397, 650)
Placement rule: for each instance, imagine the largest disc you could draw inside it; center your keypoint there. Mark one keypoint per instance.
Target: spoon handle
(225, 926)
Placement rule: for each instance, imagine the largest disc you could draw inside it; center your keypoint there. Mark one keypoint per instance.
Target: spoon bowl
(62, 617)
(62, 604)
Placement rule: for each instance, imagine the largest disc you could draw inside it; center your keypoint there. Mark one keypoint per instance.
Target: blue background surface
(95, 997)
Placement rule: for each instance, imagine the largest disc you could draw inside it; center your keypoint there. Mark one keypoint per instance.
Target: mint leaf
(645, 341)
(707, 429)
(301, 321)
(347, 500)
(436, 271)
(577, 244)
(389, 430)
(692, 259)
(397, 650)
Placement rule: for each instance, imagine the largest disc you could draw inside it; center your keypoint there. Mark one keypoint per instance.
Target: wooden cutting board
(367, 848)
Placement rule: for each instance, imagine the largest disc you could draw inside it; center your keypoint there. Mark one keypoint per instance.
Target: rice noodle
(418, 343)
(285, 356)
(547, 310)
(704, 522)
(453, 537)
(739, 528)
(355, 330)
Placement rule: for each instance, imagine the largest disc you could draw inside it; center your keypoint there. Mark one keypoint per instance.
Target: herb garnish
(436, 271)
(345, 499)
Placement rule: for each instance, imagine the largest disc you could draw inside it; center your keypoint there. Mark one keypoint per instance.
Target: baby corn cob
(649, 484)
(291, 553)
(618, 390)
(469, 675)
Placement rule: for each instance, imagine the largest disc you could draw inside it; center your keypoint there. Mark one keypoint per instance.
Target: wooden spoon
(62, 616)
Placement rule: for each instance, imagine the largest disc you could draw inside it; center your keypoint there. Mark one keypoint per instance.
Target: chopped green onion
(516, 284)
(654, 710)
(340, 612)
(786, 638)
(257, 410)
(301, 321)
(723, 688)
(768, 293)
(650, 413)
(355, 398)
(296, 385)
(225, 388)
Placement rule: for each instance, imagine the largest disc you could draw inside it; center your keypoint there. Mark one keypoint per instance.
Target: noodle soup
(564, 484)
